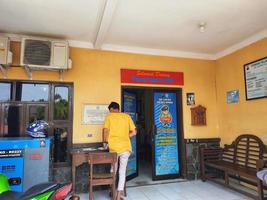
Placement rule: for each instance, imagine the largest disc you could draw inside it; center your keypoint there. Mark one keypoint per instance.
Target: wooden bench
(239, 161)
(262, 165)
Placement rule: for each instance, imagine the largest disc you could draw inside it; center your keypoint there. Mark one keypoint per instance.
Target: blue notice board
(130, 108)
(166, 141)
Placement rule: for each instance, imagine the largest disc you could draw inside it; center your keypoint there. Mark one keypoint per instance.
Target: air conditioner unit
(45, 53)
(5, 54)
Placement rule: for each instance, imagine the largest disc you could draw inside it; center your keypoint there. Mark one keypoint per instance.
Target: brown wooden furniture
(239, 161)
(79, 154)
(262, 164)
(107, 178)
(78, 158)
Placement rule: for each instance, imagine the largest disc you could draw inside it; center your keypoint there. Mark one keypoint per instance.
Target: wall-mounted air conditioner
(45, 53)
(5, 54)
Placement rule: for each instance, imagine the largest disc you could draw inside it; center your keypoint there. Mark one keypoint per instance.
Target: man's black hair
(114, 105)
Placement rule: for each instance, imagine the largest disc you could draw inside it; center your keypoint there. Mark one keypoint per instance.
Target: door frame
(55, 123)
(179, 134)
(2, 118)
(134, 175)
(180, 129)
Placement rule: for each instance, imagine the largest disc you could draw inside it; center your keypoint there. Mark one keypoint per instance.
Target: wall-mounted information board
(256, 79)
(94, 113)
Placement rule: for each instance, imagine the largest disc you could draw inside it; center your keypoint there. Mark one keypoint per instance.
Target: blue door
(165, 150)
(129, 106)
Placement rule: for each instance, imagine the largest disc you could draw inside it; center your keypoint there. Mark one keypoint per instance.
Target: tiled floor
(188, 190)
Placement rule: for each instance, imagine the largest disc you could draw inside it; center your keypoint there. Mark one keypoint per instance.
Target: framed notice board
(94, 113)
(256, 79)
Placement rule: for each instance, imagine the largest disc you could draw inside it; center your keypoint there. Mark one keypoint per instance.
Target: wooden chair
(105, 178)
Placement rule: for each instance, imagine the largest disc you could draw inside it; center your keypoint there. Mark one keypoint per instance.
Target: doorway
(157, 148)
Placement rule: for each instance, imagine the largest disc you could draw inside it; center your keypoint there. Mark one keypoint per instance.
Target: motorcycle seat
(31, 192)
(38, 189)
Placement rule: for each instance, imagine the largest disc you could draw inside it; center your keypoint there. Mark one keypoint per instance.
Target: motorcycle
(42, 191)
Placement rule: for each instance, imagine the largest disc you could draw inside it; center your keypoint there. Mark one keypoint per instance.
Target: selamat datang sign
(152, 77)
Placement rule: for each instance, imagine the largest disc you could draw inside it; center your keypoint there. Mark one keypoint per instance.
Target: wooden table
(79, 156)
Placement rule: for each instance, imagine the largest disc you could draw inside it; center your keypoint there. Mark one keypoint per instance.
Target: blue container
(25, 161)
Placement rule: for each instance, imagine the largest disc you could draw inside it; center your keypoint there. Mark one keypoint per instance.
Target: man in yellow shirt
(117, 131)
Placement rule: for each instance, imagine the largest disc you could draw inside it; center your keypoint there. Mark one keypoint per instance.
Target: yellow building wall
(245, 117)
(96, 78)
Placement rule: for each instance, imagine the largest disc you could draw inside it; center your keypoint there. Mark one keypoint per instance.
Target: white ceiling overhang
(154, 27)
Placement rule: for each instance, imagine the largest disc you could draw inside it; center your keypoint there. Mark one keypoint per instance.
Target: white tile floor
(189, 190)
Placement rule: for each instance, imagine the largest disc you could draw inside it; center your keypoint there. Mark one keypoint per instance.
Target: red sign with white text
(152, 77)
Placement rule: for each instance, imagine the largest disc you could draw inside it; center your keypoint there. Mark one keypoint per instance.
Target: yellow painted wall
(96, 78)
(248, 117)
